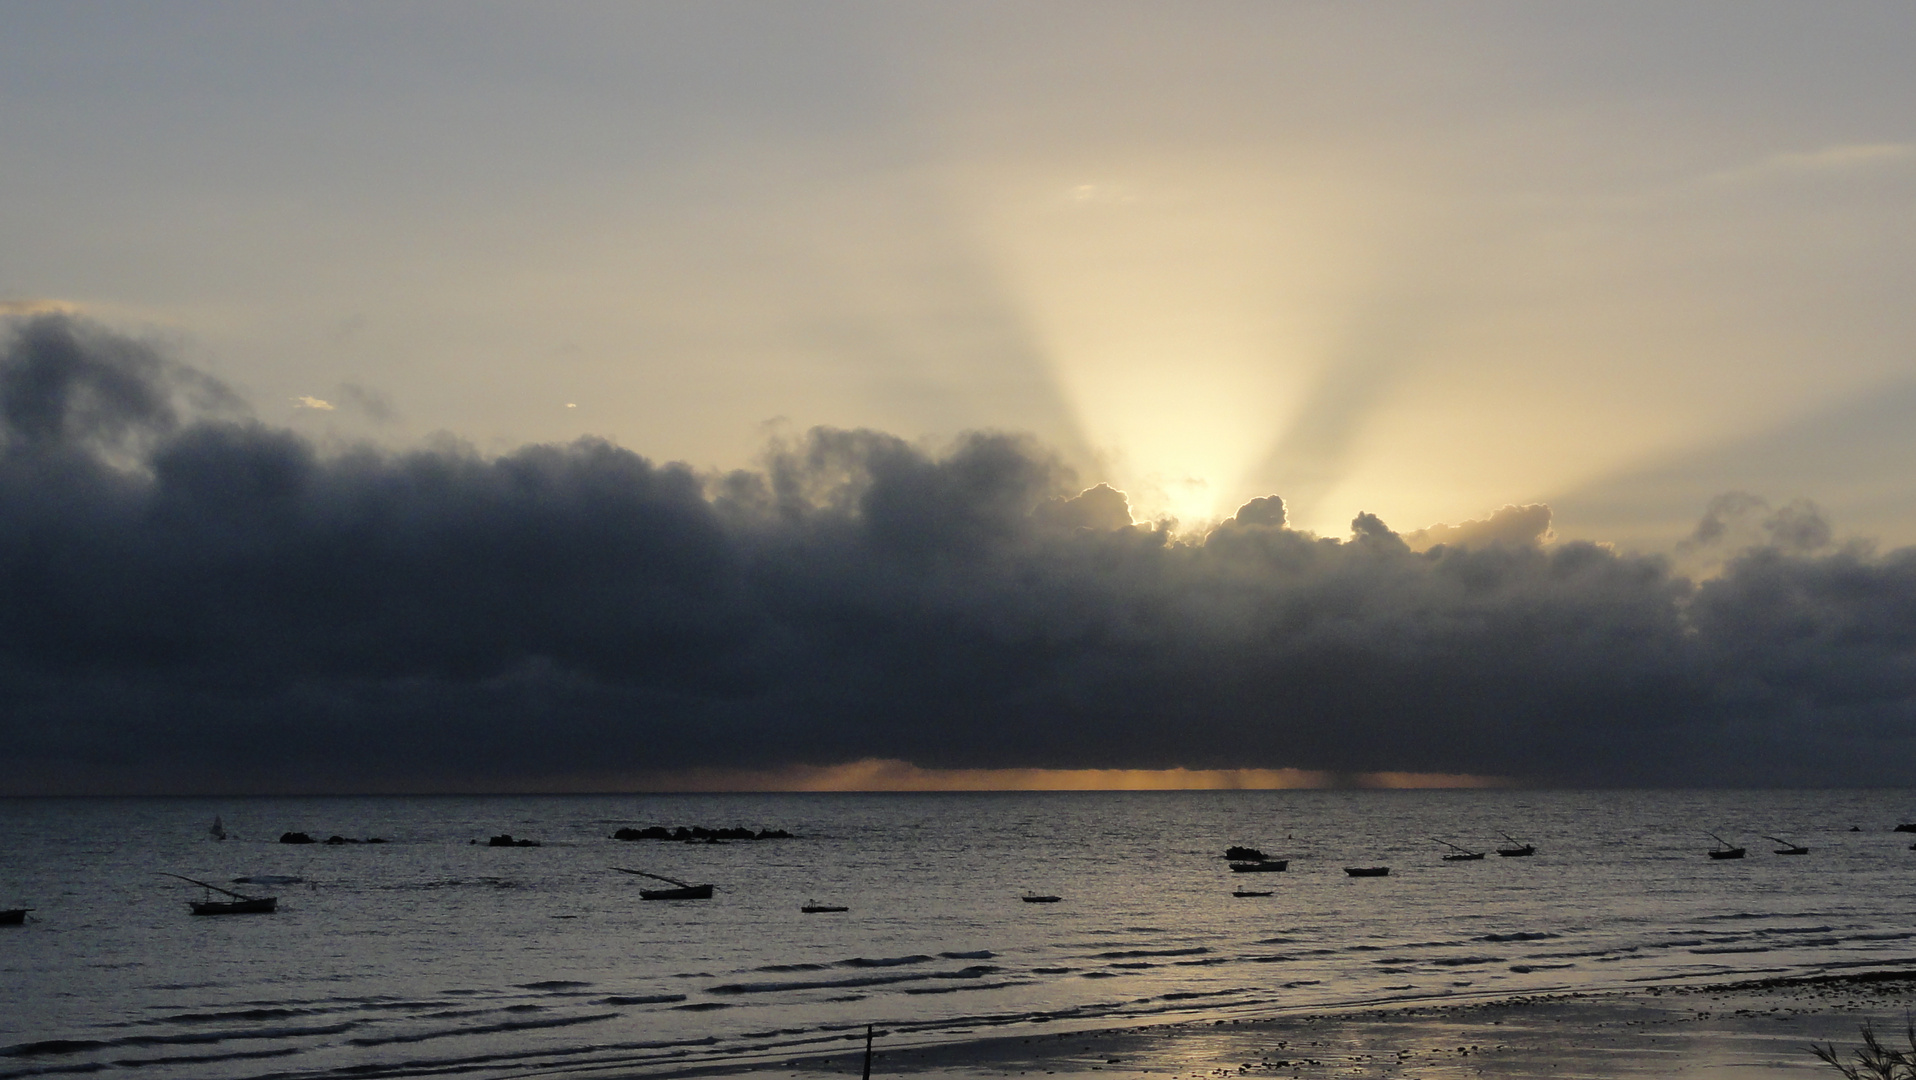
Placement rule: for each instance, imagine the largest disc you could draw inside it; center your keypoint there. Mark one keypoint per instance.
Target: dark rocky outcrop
(296, 838)
(506, 840)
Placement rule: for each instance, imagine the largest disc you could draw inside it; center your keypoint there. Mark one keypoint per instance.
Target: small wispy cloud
(307, 401)
(1828, 161)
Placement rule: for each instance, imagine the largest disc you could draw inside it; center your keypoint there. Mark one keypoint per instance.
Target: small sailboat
(1788, 848)
(684, 890)
(240, 904)
(218, 830)
(1367, 871)
(813, 907)
(1517, 849)
(1459, 854)
(1723, 850)
(14, 916)
(1035, 898)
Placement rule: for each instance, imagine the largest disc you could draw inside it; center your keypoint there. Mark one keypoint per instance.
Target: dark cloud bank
(195, 601)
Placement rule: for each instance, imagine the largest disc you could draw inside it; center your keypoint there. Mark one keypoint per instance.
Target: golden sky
(1420, 261)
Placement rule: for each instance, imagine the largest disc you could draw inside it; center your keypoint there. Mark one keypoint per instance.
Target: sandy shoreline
(1753, 1030)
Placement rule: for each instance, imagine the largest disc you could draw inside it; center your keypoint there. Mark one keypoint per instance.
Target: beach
(1753, 1030)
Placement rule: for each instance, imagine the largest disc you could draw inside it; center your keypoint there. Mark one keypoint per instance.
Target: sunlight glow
(882, 774)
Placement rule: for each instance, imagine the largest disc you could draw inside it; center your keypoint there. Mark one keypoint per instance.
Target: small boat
(1788, 848)
(14, 916)
(682, 890)
(688, 892)
(1245, 854)
(1033, 898)
(1367, 871)
(1459, 854)
(1516, 850)
(240, 904)
(1723, 850)
(816, 908)
(1262, 866)
(252, 905)
(1248, 892)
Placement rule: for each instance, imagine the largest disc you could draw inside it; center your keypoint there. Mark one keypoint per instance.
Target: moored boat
(1458, 852)
(688, 892)
(1789, 847)
(681, 890)
(1262, 866)
(1248, 892)
(1723, 850)
(816, 908)
(14, 916)
(1516, 850)
(1367, 871)
(1033, 898)
(255, 905)
(240, 904)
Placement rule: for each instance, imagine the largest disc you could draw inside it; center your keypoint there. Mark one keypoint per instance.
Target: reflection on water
(430, 953)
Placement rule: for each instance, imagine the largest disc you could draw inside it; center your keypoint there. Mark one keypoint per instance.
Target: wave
(973, 972)
(483, 1029)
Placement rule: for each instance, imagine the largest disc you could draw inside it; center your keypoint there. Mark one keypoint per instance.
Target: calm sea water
(428, 954)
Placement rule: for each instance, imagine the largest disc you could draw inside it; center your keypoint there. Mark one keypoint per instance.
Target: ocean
(432, 955)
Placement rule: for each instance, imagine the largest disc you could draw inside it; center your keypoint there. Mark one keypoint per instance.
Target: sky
(873, 390)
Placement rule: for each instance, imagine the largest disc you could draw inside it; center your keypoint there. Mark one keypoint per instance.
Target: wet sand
(1740, 1031)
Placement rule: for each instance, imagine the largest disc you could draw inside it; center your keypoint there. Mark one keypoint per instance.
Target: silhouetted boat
(1516, 850)
(1033, 898)
(816, 908)
(1367, 871)
(1788, 848)
(1460, 854)
(1262, 866)
(1723, 850)
(1249, 892)
(240, 904)
(217, 831)
(14, 916)
(683, 891)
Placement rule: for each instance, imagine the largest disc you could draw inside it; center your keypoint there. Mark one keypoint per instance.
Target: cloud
(307, 401)
(1510, 525)
(1846, 159)
(200, 601)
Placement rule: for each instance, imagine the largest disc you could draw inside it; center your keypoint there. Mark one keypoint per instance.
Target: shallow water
(430, 954)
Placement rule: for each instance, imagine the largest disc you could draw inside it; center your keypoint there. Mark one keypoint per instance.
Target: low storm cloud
(196, 600)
